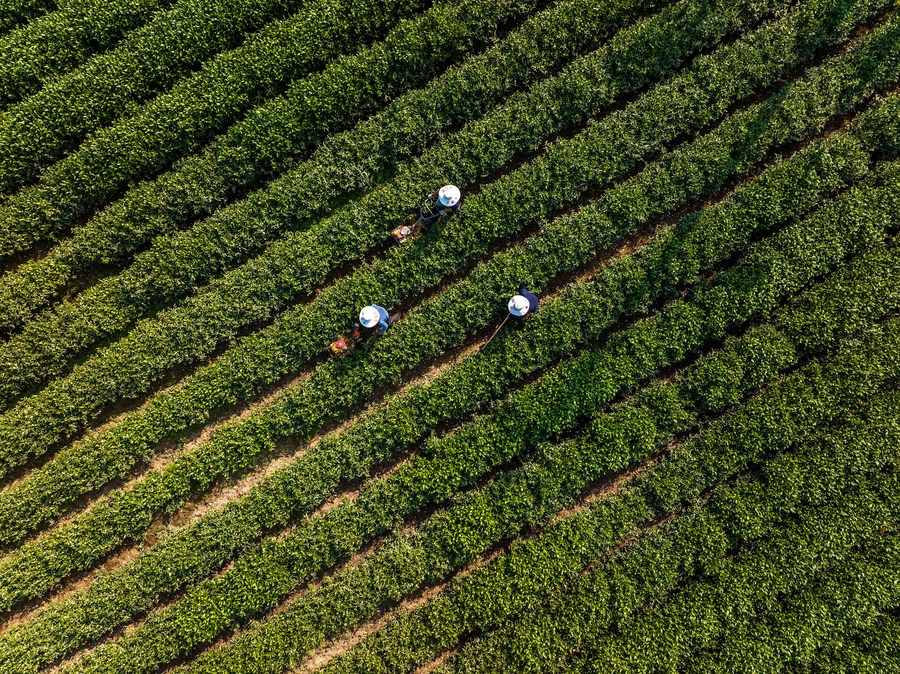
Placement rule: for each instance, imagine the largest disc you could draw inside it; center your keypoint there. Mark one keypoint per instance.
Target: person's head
(518, 305)
(448, 196)
(368, 317)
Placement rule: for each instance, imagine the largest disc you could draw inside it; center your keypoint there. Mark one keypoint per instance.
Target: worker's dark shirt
(532, 300)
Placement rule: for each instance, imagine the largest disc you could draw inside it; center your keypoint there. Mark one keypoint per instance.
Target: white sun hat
(448, 195)
(518, 305)
(368, 317)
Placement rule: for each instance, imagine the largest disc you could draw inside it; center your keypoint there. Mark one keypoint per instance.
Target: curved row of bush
(590, 160)
(322, 616)
(61, 40)
(342, 164)
(48, 344)
(33, 569)
(871, 649)
(823, 537)
(38, 131)
(496, 594)
(17, 12)
(703, 389)
(39, 498)
(840, 601)
(696, 544)
(443, 467)
(188, 115)
(232, 449)
(312, 479)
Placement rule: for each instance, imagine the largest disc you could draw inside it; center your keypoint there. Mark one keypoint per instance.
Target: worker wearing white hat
(449, 196)
(374, 319)
(522, 304)
(443, 202)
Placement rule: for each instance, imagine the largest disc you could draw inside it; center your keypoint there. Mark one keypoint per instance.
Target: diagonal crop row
(667, 636)
(697, 543)
(313, 478)
(61, 40)
(49, 493)
(400, 569)
(242, 443)
(591, 159)
(873, 649)
(39, 130)
(181, 120)
(146, 649)
(342, 164)
(577, 376)
(298, 489)
(533, 568)
(445, 465)
(48, 343)
(332, 607)
(54, 478)
(839, 602)
(293, 633)
(171, 124)
(823, 536)
(17, 12)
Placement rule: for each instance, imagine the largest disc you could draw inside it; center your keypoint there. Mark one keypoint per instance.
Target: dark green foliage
(302, 260)
(153, 59)
(841, 599)
(60, 40)
(297, 264)
(256, 147)
(238, 445)
(685, 459)
(719, 380)
(448, 464)
(16, 12)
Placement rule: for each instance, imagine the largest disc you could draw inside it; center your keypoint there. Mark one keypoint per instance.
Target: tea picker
(436, 205)
(522, 304)
(519, 306)
(373, 320)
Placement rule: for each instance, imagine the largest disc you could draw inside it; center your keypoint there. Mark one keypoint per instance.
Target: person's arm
(382, 327)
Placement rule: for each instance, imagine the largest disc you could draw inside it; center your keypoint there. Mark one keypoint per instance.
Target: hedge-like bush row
(16, 12)
(34, 569)
(754, 582)
(47, 345)
(717, 381)
(342, 164)
(695, 544)
(251, 293)
(300, 628)
(840, 602)
(537, 414)
(872, 649)
(181, 119)
(39, 130)
(61, 40)
(40, 498)
(313, 480)
(823, 536)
